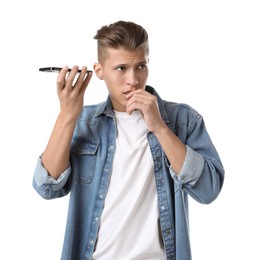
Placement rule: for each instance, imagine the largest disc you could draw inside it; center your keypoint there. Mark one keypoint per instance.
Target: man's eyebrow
(125, 64)
(137, 63)
(141, 62)
(120, 65)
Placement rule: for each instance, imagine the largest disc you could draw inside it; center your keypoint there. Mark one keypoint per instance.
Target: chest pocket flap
(83, 147)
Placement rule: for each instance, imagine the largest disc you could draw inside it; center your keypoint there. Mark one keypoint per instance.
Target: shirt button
(101, 196)
(163, 208)
(96, 219)
(91, 242)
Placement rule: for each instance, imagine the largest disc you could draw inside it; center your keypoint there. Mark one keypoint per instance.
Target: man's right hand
(71, 91)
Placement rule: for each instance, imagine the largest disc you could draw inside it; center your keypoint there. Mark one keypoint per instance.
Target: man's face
(123, 71)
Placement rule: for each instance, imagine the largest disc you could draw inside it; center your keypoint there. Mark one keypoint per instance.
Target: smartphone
(57, 69)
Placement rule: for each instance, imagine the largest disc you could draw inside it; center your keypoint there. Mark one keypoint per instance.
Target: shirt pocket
(83, 160)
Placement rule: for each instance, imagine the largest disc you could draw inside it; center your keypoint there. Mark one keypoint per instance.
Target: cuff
(192, 167)
(42, 177)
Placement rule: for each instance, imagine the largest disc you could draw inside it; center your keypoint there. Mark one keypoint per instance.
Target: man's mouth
(126, 92)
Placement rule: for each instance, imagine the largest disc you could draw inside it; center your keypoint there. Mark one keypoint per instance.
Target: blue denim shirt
(92, 152)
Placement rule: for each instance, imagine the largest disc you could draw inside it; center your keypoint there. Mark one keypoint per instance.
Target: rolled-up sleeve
(46, 185)
(192, 168)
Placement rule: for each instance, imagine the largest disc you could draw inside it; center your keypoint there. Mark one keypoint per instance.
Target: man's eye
(120, 68)
(141, 67)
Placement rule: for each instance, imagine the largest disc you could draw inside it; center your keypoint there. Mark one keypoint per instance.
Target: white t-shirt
(129, 226)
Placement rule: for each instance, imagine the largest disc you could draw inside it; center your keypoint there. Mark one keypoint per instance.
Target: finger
(86, 82)
(135, 103)
(139, 98)
(142, 102)
(81, 78)
(61, 79)
(71, 77)
(139, 92)
(141, 95)
(134, 106)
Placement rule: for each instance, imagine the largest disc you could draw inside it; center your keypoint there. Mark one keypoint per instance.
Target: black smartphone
(57, 69)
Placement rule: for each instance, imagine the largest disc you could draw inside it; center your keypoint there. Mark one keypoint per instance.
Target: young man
(129, 163)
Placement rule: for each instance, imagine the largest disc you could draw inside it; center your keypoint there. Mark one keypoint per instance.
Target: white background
(204, 53)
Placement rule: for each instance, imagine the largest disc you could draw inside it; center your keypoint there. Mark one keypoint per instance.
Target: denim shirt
(87, 177)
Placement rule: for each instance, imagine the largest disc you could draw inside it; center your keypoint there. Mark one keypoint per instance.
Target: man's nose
(132, 80)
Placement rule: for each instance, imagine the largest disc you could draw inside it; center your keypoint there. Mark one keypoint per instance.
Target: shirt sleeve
(41, 177)
(192, 168)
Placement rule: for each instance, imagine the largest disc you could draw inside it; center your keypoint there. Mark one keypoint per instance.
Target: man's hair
(122, 34)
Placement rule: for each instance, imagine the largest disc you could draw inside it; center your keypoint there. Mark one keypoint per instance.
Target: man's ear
(98, 70)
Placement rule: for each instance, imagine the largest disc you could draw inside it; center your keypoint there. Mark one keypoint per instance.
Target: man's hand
(71, 96)
(147, 104)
